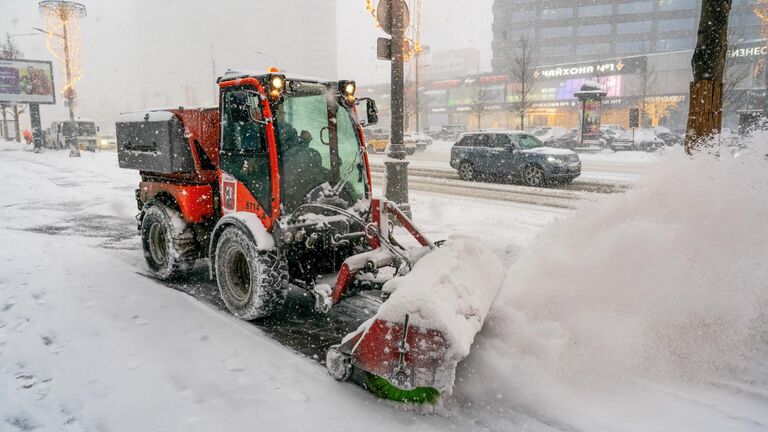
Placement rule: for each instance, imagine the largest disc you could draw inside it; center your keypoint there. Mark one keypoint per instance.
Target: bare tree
(705, 115)
(410, 106)
(480, 101)
(736, 74)
(646, 86)
(523, 77)
(9, 51)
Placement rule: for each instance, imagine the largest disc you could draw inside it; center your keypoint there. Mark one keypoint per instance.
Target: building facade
(657, 84)
(566, 31)
(453, 63)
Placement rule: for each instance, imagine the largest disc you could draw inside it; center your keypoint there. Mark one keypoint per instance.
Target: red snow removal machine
(273, 187)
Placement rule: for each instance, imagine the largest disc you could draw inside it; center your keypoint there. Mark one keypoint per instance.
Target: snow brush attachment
(409, 350)
(382, 388)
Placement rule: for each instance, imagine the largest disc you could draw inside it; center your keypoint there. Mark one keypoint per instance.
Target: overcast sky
(145, 52)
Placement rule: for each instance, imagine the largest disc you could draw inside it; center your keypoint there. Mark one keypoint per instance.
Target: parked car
(568, 141)
(56, 135)
(450, 132)
(419, 139)
(617, 140)
(376, 139)
(646, 140)
(572, 140)
(513, 154)
(106, 142)
(670, 138)
(546, 134)
(613, 127)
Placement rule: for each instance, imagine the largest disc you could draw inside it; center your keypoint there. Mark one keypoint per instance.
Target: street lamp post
(74, 151)
(396, 167)
(69, 93)
(62, 12)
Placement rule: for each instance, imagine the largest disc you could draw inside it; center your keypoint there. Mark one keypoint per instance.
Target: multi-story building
(453, 63)
(638, 51)
(565, 31)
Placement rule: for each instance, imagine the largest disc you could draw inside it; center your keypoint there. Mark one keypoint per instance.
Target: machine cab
(286, 142)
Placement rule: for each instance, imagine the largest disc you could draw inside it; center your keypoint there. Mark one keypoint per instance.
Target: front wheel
(534, 176)
(252, 283)
(466, 171)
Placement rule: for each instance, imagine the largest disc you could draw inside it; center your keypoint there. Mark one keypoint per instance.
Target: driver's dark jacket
(301, 167)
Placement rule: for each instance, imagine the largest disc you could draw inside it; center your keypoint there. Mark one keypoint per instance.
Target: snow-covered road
(620, 168)
(87, 343)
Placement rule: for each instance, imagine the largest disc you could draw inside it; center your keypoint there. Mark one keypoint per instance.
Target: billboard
(27, 81)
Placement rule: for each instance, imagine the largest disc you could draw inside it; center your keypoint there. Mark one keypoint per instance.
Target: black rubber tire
(467, 171)
(537, 179)
(168, 251)
(252, 283)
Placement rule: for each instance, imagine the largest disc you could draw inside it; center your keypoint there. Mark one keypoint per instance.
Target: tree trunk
(705, 115)
(5, 124)
(16, 122)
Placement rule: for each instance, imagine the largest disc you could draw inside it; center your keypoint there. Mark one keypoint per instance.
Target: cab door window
(244, 152)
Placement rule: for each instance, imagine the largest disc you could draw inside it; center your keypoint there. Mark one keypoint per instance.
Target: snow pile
(613, 312)
(450, 290)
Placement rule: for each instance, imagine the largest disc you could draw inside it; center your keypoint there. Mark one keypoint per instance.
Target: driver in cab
(301, 165)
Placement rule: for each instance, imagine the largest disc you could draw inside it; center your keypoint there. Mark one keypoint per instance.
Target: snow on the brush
(614, 315)
(449, 290)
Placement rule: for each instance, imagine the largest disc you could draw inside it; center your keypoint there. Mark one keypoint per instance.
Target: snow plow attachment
(408, 351)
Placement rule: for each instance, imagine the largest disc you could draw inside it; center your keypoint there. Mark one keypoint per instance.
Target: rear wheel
(534, 176)
(169, 246)
(467, 171)
(252, 283)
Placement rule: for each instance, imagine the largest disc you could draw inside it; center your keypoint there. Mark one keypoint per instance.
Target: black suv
(513, 154)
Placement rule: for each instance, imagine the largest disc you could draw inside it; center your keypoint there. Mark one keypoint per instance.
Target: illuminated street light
(62, 22)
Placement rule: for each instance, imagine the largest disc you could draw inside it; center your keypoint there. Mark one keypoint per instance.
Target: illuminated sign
(627, 65)
(27, 81)
(753, 51)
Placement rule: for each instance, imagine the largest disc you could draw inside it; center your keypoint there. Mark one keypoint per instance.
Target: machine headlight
(277, 82)
(347, 89)
(276, 86)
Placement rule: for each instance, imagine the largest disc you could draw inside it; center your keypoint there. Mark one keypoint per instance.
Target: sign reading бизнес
(27, 81)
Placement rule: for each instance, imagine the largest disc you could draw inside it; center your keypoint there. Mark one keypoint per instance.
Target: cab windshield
(317, 143)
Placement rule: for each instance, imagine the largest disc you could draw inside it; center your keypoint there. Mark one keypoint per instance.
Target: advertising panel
(591, 121)
(27, 81)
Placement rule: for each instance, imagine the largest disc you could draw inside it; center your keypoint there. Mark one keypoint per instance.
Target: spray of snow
(665, 284)
(443, 292)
